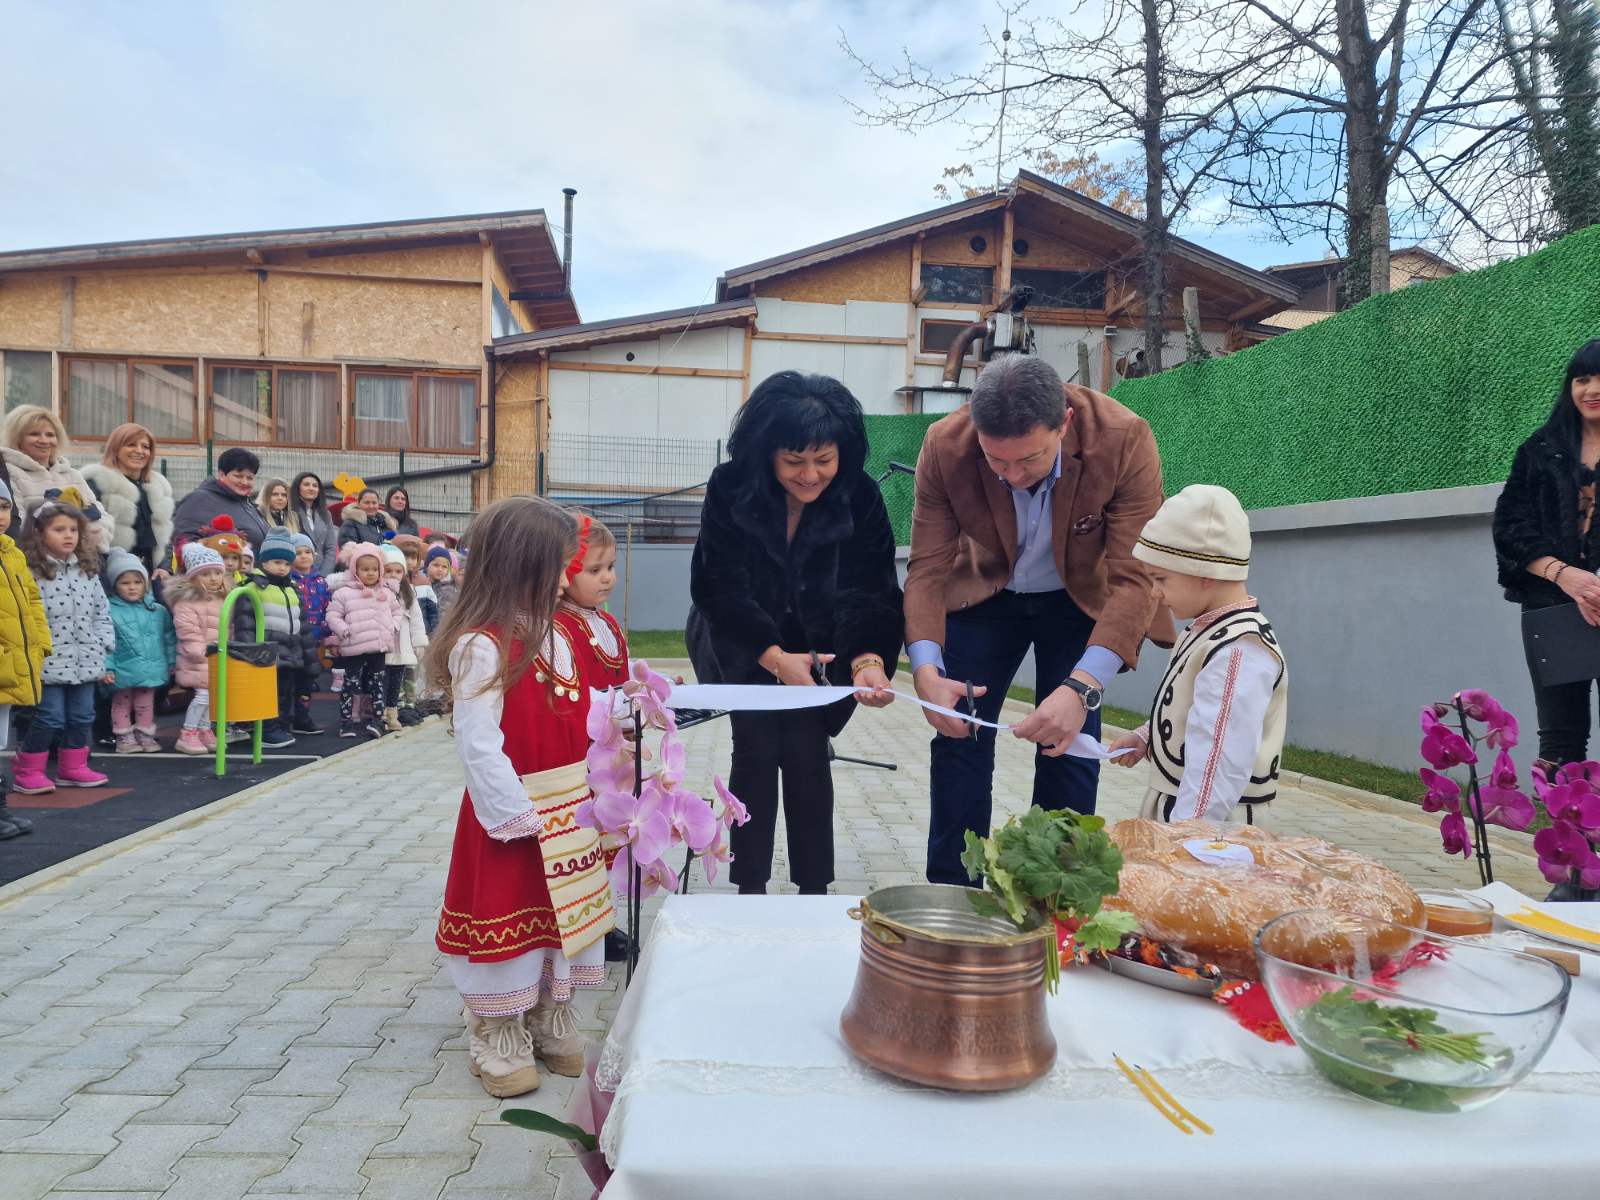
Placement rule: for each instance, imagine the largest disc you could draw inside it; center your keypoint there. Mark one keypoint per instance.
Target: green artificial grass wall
(1432, 386)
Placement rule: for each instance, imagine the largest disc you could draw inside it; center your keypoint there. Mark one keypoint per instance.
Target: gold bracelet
(870, 661)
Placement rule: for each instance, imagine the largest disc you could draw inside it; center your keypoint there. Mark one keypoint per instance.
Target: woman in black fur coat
(795, 556)
(1547, 541)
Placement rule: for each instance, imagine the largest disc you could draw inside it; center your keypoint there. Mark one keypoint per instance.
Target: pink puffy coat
(364, 620)
(194, 619)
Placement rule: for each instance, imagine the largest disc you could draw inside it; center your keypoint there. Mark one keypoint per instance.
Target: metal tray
(1159, 976)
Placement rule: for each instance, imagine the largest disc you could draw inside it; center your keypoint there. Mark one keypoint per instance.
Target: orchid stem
(1480, 830)
(635, 880)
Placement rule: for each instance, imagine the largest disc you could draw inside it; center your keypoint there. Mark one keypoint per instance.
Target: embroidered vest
(1169, 717)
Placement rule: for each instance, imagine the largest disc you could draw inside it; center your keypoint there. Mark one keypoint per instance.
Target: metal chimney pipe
(566, 241)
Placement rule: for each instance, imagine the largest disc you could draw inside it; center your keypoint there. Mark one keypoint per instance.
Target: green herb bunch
(1060, 865)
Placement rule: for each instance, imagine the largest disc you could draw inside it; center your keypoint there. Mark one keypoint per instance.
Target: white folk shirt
(1234, 721)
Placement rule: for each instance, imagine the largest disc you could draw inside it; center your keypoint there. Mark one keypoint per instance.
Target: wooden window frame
(247, 365)
(412, 410)
(922, 338)
(129, 362)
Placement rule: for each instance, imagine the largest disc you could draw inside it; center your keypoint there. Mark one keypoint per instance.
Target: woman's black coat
(1537, 515)
(836, 581)
(358, 527)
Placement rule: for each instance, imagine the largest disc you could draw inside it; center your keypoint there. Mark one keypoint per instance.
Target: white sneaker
(556, 1038)
(501, 1055)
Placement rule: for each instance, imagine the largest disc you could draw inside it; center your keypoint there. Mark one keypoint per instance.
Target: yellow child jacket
(24, 631)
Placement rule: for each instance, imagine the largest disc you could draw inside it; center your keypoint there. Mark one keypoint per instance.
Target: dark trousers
(795, 745)
(985, 645)
(363, 675)
(65, 710)
(1564, 717)
(394, 678)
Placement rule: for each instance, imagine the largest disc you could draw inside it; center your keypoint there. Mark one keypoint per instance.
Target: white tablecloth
(732, 1080)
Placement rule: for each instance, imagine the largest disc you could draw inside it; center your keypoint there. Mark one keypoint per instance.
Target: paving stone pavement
(253, 1005)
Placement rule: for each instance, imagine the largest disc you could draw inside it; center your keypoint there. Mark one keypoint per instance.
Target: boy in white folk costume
(1215, 734)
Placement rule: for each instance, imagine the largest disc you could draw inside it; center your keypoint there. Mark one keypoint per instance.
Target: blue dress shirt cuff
(926, 653)
(1098, 661)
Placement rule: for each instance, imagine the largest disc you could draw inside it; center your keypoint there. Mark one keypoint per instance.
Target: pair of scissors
(972, 708)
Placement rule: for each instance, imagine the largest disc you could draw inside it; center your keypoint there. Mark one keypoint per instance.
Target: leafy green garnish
(1056, 864)
(1339, 1031)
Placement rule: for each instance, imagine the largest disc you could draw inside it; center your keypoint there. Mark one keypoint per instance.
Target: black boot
(11, 825)
(302, 722)
(617, 944)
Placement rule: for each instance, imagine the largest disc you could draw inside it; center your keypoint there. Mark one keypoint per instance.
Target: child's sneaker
(147, 740)
(189, 742)
(239, 733)
(349, 729)
(208, 735)
(374, 727)
(128, 744)
(275, 734)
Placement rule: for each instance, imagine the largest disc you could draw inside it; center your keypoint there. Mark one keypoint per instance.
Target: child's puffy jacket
(286, 626)
(147, 647)
(314, 596)
(412, 639)
(364, 620)
(24, 631)
(81, 634)
(194, 619)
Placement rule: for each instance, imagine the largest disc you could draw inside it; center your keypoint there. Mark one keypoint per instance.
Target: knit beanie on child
(222, 537)
(5, 493)
(439, 552)
(277, 546)
(302, 542)
(392, 555)
(1202, 531)
(119, 562)
(197, 557)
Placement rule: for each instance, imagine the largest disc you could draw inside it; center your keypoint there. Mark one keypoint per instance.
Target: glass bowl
(1406, 1017)
(1456, 913)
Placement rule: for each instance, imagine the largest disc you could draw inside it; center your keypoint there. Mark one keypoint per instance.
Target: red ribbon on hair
(575, 567)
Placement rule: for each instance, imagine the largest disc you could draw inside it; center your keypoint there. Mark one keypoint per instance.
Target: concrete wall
(654, 594)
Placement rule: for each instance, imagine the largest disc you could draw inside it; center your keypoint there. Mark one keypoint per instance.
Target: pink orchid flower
(1479, 705)
(640, 821)
(1509, 807)
(733, 810)
(1453, 831)
(1581, 772)
(1574, 802)
(670, 765)
(692, 820)
(650, 691)
(657, 877)
(1443, 747)
(714, 855)
(603, 728)
(1444, 793)
(1562, 849)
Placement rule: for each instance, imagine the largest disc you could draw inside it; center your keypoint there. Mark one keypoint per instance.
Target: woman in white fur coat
(137, 496)
(33, 443)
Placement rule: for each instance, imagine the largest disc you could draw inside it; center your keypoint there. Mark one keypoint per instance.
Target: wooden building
(329, 349)
(1318, 283)
(877, 309)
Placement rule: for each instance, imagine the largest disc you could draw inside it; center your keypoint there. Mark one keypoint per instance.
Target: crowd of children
(80, 628)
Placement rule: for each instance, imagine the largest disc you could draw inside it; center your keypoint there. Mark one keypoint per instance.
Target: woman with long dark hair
(1547, 540)
(310, 508)
(397, 506)
(794, 567)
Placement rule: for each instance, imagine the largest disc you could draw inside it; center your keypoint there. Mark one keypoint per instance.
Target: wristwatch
(1092, 696)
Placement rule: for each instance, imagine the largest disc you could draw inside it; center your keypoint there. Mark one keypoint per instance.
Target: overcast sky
(700, 134)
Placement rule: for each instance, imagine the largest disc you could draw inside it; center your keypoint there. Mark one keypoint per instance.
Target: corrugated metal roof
(622, 329)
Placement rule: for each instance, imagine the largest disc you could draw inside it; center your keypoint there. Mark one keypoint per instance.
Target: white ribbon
(756, 697)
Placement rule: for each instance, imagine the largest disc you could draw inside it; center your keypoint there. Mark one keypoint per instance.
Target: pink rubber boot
(28, 775)
(73, 770)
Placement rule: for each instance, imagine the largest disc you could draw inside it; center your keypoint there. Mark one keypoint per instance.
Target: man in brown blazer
(1029, 501)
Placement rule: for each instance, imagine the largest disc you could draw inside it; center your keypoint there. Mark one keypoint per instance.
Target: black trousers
(1564, 720)
(795, 746)
(394, 678)
(363, 675)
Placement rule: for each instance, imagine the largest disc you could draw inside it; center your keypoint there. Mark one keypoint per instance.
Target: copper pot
(946, 997)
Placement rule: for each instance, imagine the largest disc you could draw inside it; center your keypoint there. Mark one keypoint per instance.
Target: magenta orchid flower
(1444, 793)
(1581, 772)
(714, 855)
(1479, 704)
(1576, 804)
(1562, 850)
(1453, 831)
(733, 810)
(1509, 807)
(1443, 747)
(692, 820)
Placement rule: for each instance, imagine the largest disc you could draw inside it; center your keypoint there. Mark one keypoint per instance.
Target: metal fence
(653, 487)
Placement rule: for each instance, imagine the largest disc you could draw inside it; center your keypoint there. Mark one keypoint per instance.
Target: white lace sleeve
(498, 797)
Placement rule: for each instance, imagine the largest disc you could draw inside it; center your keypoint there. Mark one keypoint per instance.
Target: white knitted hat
(197, 557)
(1203, 531)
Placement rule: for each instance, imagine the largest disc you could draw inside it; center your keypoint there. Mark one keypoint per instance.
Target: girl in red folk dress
(527, 903)
(598, 639)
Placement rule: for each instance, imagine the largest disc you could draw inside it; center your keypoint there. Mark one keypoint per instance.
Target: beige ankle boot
(554, 1028)
(391, 720)
(501, 1055)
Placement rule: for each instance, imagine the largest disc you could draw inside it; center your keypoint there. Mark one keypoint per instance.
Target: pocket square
(1088, 524)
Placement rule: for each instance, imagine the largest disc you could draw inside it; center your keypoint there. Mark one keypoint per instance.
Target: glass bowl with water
(1406, 1017)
